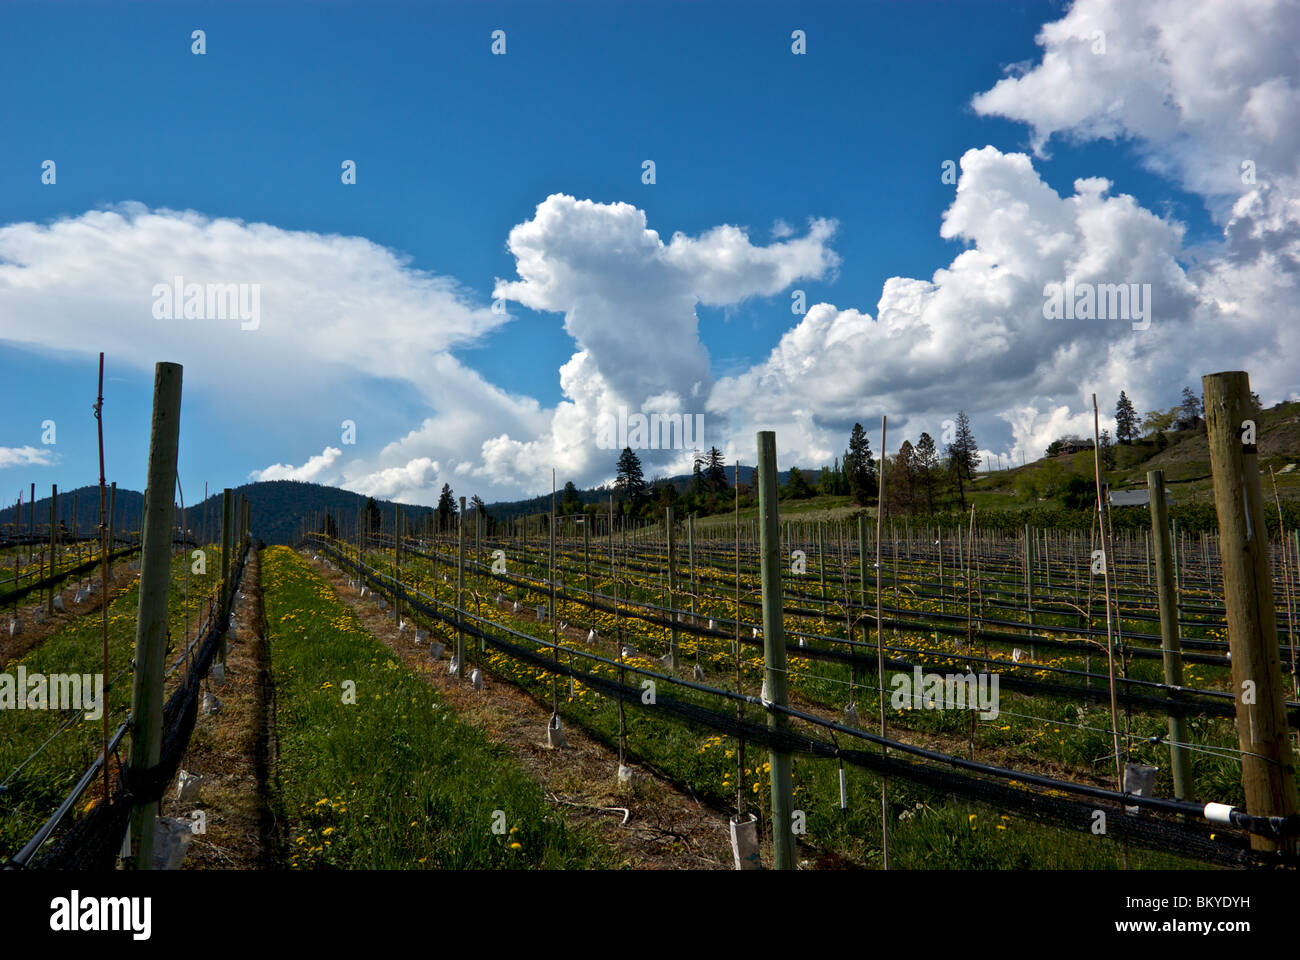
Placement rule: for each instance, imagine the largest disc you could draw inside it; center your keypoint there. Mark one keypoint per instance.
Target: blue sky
(455, 147)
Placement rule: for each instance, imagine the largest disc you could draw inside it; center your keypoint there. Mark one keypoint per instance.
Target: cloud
(974, 335)
(309, 472)
(1200, 88)
(25, 456)
(629, 301)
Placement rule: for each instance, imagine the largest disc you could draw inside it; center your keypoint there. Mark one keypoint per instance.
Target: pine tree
(796, 487)
(927, 459)
(903, 479)
(963, 456)
(1191, 406)
(1126, 419)
(698, 487)
(570, 502)
(859, 467)
(630, 480)
(446, 508)
(715, 474)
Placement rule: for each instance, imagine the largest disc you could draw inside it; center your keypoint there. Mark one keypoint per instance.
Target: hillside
(278, 505)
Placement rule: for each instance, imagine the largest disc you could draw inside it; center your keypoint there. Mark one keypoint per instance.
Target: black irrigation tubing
(13, 596)
(835, 608)
(1044, 606)
(387, 583)
(1179, 700)
(977, 786)
(92, 841)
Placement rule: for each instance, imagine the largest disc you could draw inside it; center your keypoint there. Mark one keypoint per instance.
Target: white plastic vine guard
(187, 786)
(58, 603)
(453, 666)
(421, 635)
(555, 733)
(1017, 655)
(15, 627)
(744, 842)
(476, 679)
(436, 650)
(219, 674)
(211, 705)
(699, 673)
(1140, 780)
(851, 715)
(515, 608)
(712, 625)
(591, 635)
(629, 652)
(624, 774)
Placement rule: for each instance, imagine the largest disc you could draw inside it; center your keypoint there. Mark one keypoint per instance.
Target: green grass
(77, 647)
(938, 833)
(394, 779)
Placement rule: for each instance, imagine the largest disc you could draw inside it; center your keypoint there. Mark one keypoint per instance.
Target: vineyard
(812, 694)
(642, 611)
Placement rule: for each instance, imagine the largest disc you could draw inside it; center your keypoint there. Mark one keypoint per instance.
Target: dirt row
(233, 750)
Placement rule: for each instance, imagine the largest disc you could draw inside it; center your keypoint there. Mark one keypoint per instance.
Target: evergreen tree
(927, 460)
(698, 486)
(446, 508)
(859, 467)
(903, 479)
(1126, 419)
(825, 482)
(716, 472)
(374, 519)
(569, 500)
(1191, 405)
(796, 487)
(630, 480)
(963, 456)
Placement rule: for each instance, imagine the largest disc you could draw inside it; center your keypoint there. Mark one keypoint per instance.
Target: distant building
(1072, 445)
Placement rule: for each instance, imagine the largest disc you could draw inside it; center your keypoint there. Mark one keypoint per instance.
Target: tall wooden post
(1170, 642)
(774, 650)
(672, 589)
(460, 588)
(227, 539)
(1267, 762)
(54, 500)
(151, 620)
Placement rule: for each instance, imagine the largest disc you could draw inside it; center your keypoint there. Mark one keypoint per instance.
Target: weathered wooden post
(460, 589)
(151, 621)
(1170, 642)
(774, 680)
(1267, 762)
(54, 500)
(672, 589)
(227, 538)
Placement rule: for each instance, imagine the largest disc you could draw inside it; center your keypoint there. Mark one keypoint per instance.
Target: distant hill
(276, 506)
